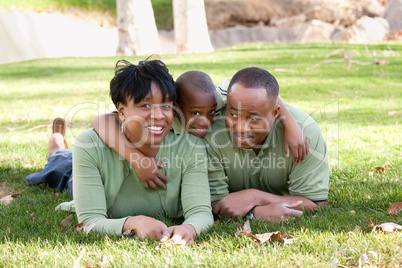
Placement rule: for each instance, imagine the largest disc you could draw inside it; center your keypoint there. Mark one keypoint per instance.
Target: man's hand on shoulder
(235, 205)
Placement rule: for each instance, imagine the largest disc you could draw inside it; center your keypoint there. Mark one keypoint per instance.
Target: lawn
(357, 105)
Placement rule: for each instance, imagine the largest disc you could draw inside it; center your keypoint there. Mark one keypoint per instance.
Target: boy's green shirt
(233, 169)
(107, 189)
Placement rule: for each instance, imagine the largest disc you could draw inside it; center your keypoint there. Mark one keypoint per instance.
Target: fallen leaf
(244, 229)
(271, 237)
(262, 238)
(375, 255)
(216, 222)
(78, 227)
(104, 261)
(204, 244)
(392, 112)
(78, 260)
(198, 263)
(5, 200)
(352, 212)
(387, 227)
(66, 221)
(371, 173)
(87, 229)
(387, 165)
(8, 229)
(31, 203)
(380, 169)
(395, 208)
(334, 262)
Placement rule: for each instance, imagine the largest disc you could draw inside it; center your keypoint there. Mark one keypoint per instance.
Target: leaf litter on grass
(262, 238)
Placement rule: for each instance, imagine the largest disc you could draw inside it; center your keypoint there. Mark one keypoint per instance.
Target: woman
(108, 193)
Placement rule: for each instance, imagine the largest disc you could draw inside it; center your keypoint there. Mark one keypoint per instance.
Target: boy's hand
(180, 235)
(294, 139)
(149, 174)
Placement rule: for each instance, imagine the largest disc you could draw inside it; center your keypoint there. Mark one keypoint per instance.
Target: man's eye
(212, 112)
(196, 113)
(146, 106)
(253, 118)
(166, 106)
(233, 115)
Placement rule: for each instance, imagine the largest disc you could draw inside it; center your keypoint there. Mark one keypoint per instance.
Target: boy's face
(198, 110)
(146, 123)
(250, 116)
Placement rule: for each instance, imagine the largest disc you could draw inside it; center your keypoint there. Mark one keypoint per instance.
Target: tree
(190, 27)
(136, 27)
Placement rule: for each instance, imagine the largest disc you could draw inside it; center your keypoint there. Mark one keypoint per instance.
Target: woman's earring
(122, 128)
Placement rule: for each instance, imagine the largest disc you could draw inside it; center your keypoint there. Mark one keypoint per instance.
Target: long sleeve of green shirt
(107, 190)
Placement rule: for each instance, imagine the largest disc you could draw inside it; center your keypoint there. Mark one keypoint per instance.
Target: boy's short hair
(134, 81)
(194, 80)
(254, 77)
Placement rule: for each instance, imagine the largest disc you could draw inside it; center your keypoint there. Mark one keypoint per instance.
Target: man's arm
(238, 204)
(108, 129)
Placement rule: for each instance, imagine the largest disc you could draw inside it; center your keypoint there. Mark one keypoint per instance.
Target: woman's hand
(145, 227)
(180, 235)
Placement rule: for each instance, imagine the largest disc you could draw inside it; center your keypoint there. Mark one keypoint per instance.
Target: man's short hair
(134, 81)
(254, 77)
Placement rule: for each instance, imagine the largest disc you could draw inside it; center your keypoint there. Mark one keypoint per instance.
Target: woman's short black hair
(134, 81)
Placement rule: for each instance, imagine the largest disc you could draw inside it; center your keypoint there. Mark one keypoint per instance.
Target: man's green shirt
(233, 169)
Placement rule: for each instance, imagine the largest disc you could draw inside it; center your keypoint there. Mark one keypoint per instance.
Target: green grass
(350, 103)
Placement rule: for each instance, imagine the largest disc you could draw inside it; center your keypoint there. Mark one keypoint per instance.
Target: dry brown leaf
(379, 169)
(104, 261)
(66, 221)
(352, 212)
(395, 208)
(78, 227)
(87, 229)
(262, 238)
(204, 244)
(244, 229)
(387, 227)
(387, 165)
(271, 237)
(5, 200)
(78, 260)
(216, 222)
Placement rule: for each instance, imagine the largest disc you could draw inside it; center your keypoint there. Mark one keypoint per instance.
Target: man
(249, 172)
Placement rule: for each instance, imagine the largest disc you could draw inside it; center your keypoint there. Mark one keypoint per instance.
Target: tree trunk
(138, 34)
(190, 27)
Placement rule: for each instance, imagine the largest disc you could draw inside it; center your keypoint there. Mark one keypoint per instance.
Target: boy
(198, 103)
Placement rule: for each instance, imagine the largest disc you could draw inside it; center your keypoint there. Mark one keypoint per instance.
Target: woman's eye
(167, 106)
(212, 112)
(233, 115)
(196, 113)
(146, 106)
(254, 118)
